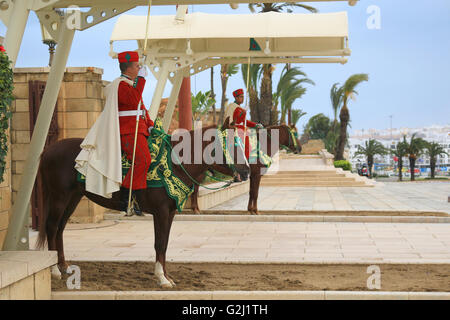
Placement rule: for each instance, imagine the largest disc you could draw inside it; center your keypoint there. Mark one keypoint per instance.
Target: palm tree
(414, 149)
(254, 102)
(433, 150)
(201, 104)
(296, 114)
(370, 149)
(267, 110)
(348, 91)
(400, 152)
(279, 7)
(226, 71)
(289, 89)
(336, 97)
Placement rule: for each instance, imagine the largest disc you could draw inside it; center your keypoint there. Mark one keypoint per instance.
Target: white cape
(100, 157)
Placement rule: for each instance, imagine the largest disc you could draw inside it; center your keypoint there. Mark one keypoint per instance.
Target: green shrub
(344, 164)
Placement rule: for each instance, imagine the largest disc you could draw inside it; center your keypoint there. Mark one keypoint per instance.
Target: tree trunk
(400, 168)
(224, 79)
(432, 167)
(254, 105)
(412, 165)
(265, 107)
(370, 165)
(344, 117)
(213, 96)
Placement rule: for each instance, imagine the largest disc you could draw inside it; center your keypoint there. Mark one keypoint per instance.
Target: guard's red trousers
(247, 142)
(141, 162)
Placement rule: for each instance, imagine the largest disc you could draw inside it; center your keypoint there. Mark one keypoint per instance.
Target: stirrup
(129, 212)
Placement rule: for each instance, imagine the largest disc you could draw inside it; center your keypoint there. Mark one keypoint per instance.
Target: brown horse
(62, 193)
(257, 169)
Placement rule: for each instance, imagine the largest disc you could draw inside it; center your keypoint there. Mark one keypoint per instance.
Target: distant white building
(389, 138)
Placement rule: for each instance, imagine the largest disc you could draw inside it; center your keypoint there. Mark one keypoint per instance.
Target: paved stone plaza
(315, 242)
(395, 196)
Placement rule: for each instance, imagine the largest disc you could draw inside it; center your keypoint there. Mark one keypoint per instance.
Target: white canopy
(219, 35)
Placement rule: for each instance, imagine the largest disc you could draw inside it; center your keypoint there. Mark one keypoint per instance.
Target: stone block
(4, 220)
(4, 294)
(74, 133)
(92, 117)
(20, 136)
(96, 212)
(20, 121)
(19, 77)
(21, 91)
(2, 237)
(73, 120)
(42, 285)
(22, 290)
(18, 167)
(79, 105)
(94, 90)
(5, 202)
(19, 151)
(75, 90)
(40, 76)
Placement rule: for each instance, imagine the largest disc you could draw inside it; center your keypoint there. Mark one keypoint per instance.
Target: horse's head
(233, 162)
(290, 138)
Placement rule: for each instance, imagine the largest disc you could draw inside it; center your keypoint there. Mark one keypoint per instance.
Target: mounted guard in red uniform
(114, 131)
(238, 115)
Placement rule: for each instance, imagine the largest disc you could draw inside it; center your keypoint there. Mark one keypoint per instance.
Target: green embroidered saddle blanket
(160, 173)
(256, 152)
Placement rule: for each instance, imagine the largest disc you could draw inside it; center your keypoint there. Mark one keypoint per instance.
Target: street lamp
(48, 40)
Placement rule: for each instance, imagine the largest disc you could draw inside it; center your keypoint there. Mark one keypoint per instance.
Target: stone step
(319, 176)
(314, 184)
(309, 172)
(282, 179)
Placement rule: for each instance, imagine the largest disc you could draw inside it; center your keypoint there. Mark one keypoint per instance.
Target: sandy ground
(138, 276)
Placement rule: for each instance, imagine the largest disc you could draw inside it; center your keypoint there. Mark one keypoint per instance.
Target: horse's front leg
(255, 178)
(162, 221)
(194, 200)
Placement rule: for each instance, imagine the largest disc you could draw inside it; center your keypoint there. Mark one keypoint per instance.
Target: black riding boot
(124, 194)
(136, 195)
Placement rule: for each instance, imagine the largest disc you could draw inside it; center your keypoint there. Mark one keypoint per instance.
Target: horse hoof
(165, 284)
(55, 273)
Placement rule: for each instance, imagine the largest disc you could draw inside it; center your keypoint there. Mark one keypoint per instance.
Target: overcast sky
(407, 59)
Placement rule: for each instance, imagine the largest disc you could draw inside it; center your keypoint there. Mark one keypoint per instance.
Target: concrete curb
(249, 295)
(289, 218)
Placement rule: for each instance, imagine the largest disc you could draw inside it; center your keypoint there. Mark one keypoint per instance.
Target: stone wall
(5, 198)
(80, 102)
(313, 147)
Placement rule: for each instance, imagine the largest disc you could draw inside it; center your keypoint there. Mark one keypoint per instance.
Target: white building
(389, 138)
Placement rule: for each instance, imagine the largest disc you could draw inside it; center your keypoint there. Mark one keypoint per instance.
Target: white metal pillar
(17, 235)
(172, 100)
(159, 90)
(16, 29)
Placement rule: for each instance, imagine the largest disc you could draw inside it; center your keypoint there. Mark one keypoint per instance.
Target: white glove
(150, 130)
(143, 72)
(259, 126)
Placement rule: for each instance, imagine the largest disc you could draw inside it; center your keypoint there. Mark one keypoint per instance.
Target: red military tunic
(239, 116)
(129, 97)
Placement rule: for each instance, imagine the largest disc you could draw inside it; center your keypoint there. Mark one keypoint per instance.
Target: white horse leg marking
(56, 274)
(159, 273)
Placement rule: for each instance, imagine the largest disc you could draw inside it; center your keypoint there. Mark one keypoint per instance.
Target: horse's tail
(42, 236)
